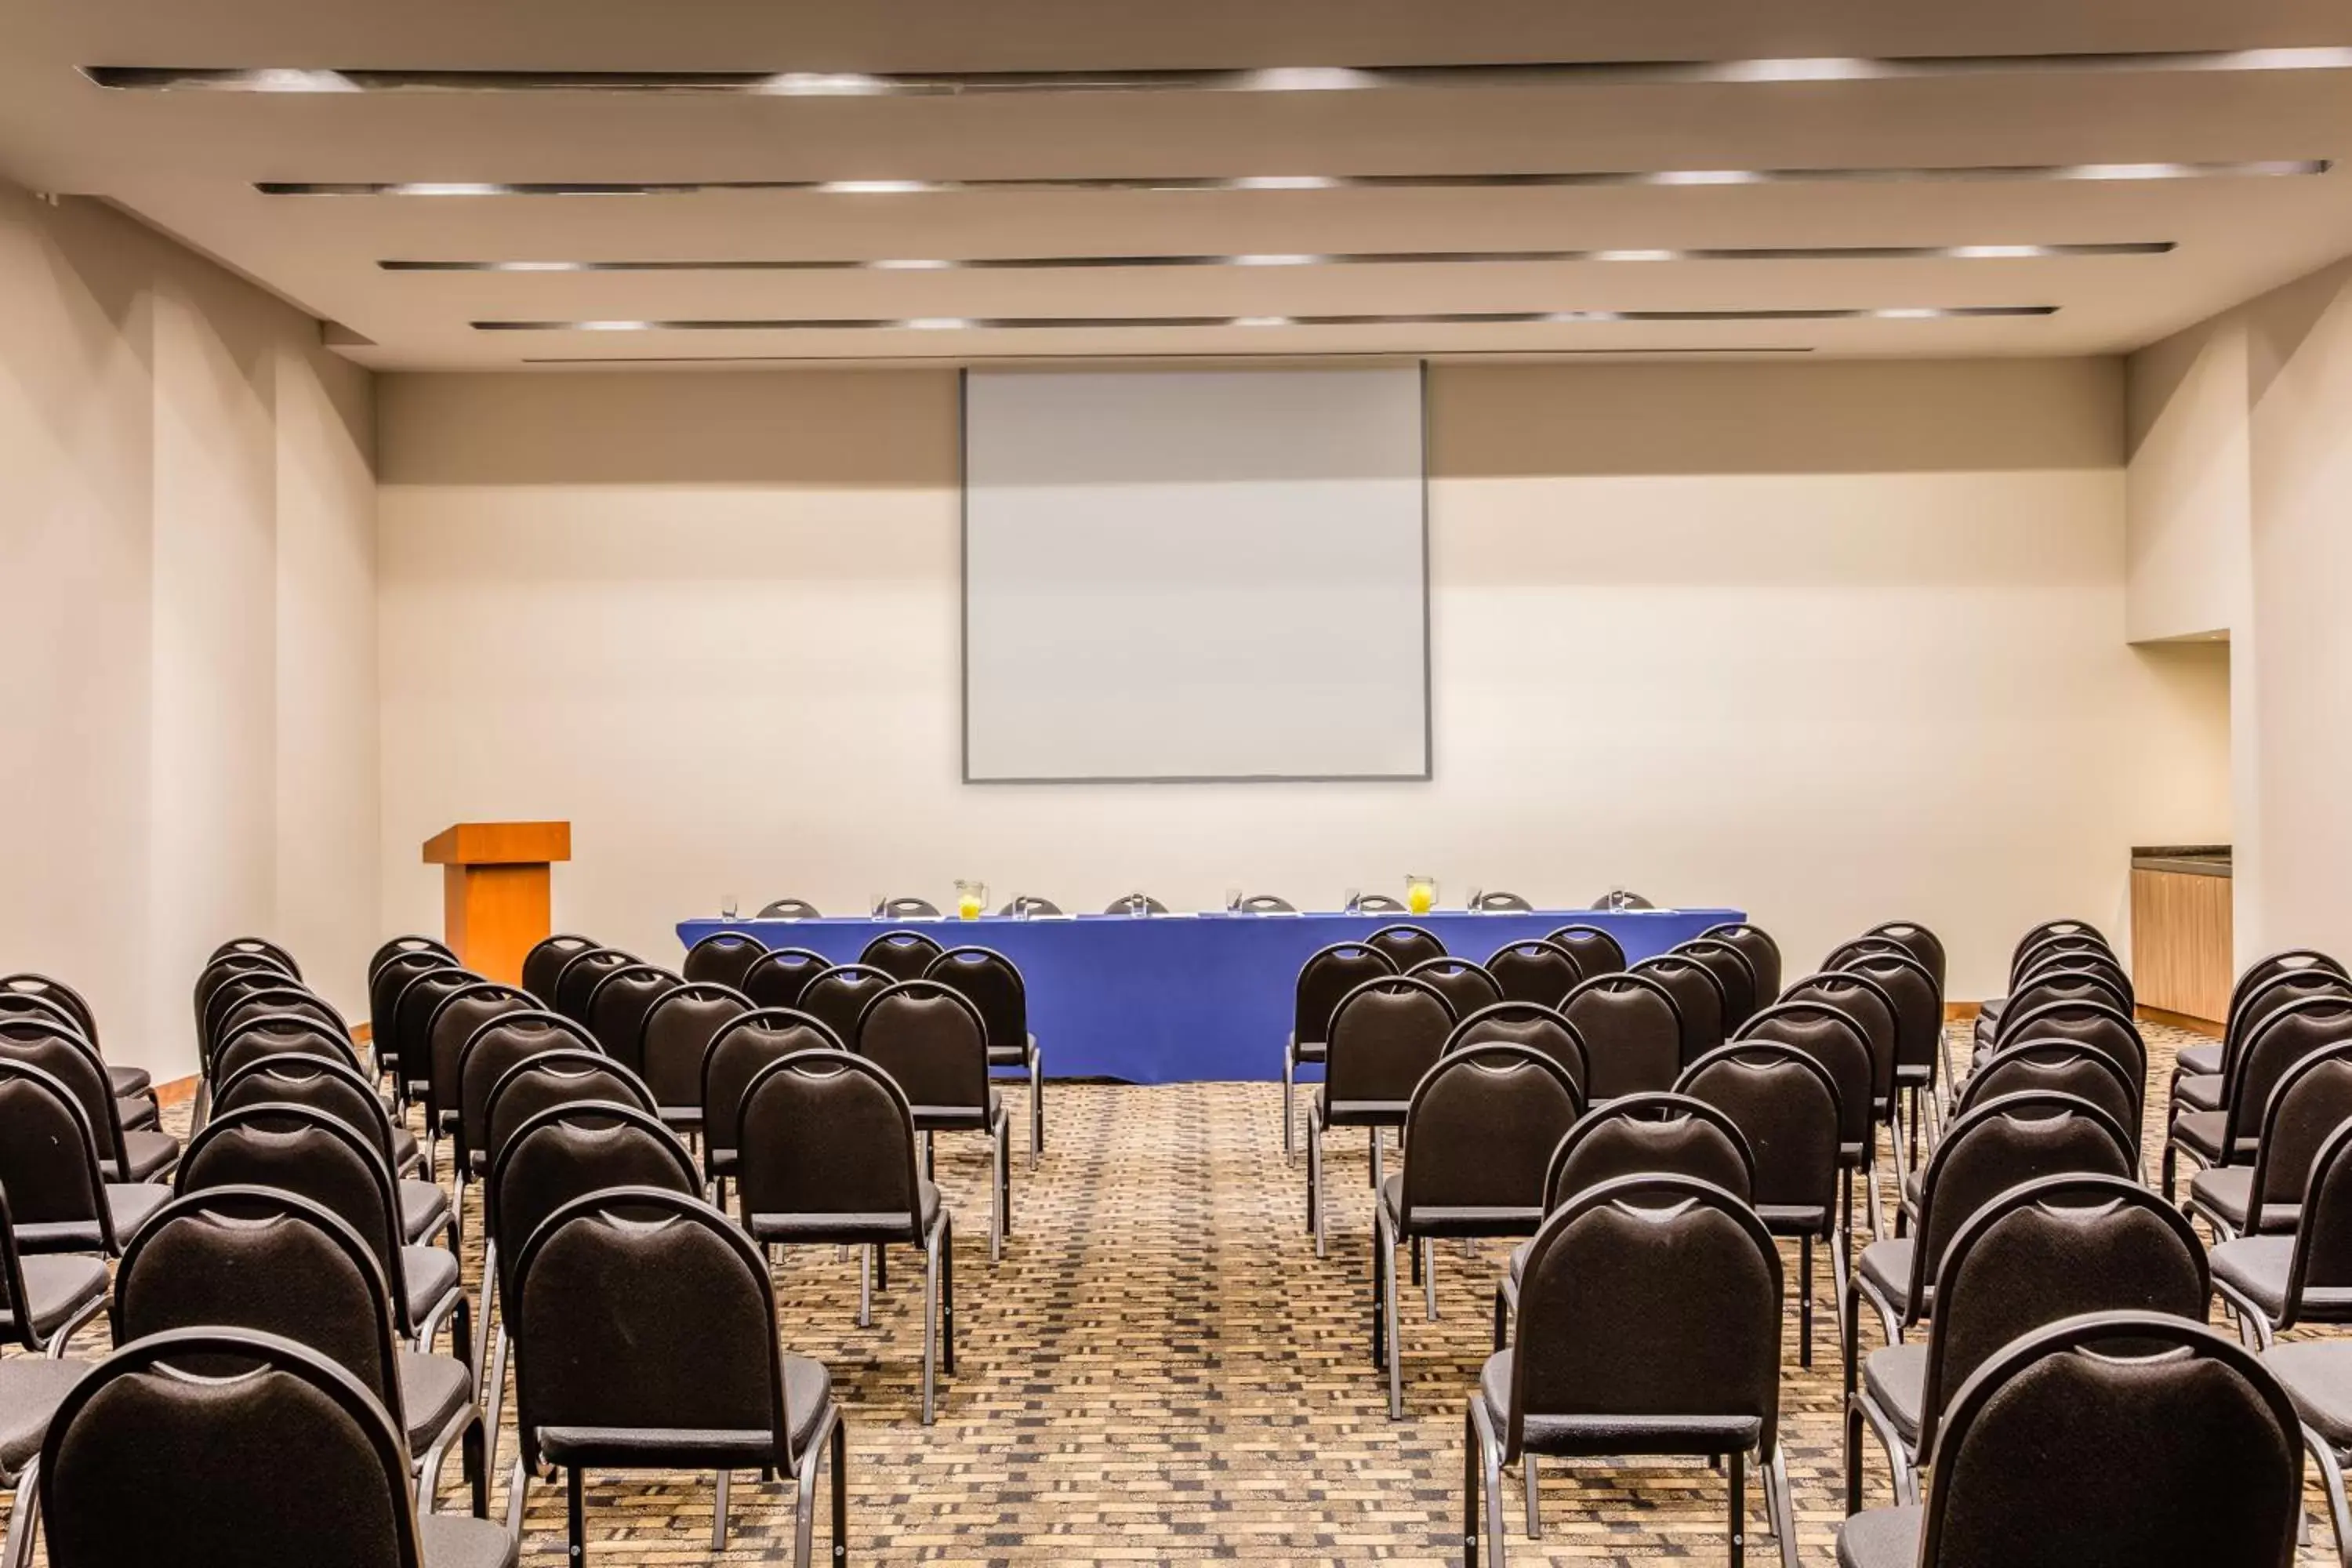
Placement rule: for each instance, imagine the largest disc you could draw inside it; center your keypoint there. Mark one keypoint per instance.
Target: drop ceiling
(1287, 177)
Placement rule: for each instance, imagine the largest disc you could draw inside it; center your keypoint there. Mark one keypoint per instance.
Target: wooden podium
(495, 890)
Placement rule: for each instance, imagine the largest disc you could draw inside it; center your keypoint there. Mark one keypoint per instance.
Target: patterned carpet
(1161, 1370)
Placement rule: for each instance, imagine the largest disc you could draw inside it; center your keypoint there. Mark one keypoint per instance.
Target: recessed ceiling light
(1446, 318)
(1566, 179)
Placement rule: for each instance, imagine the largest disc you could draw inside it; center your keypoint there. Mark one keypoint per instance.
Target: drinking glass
(1419, 893)
(727, 906)
(971, 899)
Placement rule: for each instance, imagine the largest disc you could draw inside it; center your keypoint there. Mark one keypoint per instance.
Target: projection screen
(1195, 575)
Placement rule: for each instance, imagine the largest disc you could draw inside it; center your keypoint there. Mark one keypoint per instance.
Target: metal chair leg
(24, 1507)
(1527, 1485)
(719, 1516)
(1428, 1276)
(1737, 1463)
(1388, 1241)
(1289, 1114)
(1315, 1183)
(1780, 1506)
(1036, 1107)
(2331, 1475)
(1485, 1464)
(575, 1519)
(930, 1315)
(864, 1287)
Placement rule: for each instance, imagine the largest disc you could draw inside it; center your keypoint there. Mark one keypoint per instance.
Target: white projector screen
(1195, 575)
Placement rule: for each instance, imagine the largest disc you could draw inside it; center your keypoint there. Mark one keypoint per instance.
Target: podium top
(499, 844)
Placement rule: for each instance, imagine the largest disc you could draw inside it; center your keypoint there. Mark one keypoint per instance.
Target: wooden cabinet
(2180, 940)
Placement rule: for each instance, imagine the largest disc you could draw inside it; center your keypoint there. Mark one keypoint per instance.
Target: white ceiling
(187, 161)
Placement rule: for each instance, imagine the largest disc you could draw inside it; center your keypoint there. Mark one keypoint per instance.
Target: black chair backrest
(1649, 1296)
(273, 1034)
(1735, 976)
(1029, 904)
(1786, 1106)
(323, 1083)
(1922, 943)
(262, 946)
(401, 946)
(1375, 904)
(255, 966)
(1836, 1039)
(2279, 991)
(2322, 1259)
(2016, 1138)
(1699, 1002)
(487, 1057)
(413, 1010)
(2095, 1024)
(1918, 1003)
(640, 1309)
(48, 1163)
(1861, 947)
(1481, 1129)
(1632, 1028)
(306, 1152)
(1497, 903)
(1137, 903)
(74, 1062)
(743, 1045)
(292, 1461)
(453, 1022)
(1539, 1028)
(722, 958)
(57, 994)
(1763, 954)
(2264, 970)
(1653, 1133)
(581, 976)
(1534, 971)
(1386, 1035)
(24, 1005)
(1326, 977)
(825, 1133)
(2057, 931)
(989, 982)
(778, 976)
(1596, 952)
(676, 1036)
(908, 908)
(2159, 1439)
(931, 1042)
(901, 955)
(2044, 986)
(1465, 984)
(544, 1080)
(2058, 950)
(2049, 1249)
(251, 993)
(543, 964)
(262, 1260)
(567, 1152)
(2296, 1031)
(2065, 1066)
(2312, 1100)
(1406, 946)
(616, 1008)
(1268, 904)
(385, 986)
(1862, 998)
(789, 910)
(838, 997)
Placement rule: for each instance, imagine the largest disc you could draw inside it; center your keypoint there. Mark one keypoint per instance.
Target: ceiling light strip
(1571, 179)
(1447, 318)
(1341, 258)
(1274, 79)
(1441, 356)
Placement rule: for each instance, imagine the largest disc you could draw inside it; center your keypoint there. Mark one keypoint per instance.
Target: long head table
(1171, 998)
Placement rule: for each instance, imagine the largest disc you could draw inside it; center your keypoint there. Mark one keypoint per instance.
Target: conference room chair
(497, 1045)
(43, 1297)
(1786, 1108)
(581, 975)
(1756, 945)
(1028, 906)
(274, 987)
(645, 1338)
(387, 984)
(123, 1154)
(562, 1153)
(567, 1074)
(220, 971)
(276, 1001)
(675, 1036)
(1700, 1003)
(129, 1083)
(934, 1044)
(993, 983)
(1384, 1036)
(211, 1447)
(2115, 1438)
(59, 1194)
(267, 1261)
(2278, 1282)
(2207, 1092)
(1375, 904)
(407, 945)
(1268, 904)
(2070, 979)
(901, 955)
(338, 1090)
(2313, 1097)
(406, 1052)
(2040, 1253)
(1480, 1130)
(2049, 949)
(1539, 1028)
(741, 1048)
(617, 1008)
(1653, 1133)
(1501, 904)
(1465, 984)
(722, 958)
(296, 1035)
(314, 1155)
(2229, 1135)
(1649, 1323)
(2294, 963)
(1536, 970)
(1595, 951)
(778, 976)
(828, 1155)
(1999, 1144)
(1406, 944)
(838, 996)
(31, 1389)
(1837, 1040)
(790, 910)
(1868, 1004)
(454, 1020)
(1921, 943)
(138, 1111)
(1631, 1027)
(1920, 1052)
(543, 967)
(1135, 903)
(257, 944)
(1735, 977)
(1329, 974)
(2066, 1067)
(906, 909)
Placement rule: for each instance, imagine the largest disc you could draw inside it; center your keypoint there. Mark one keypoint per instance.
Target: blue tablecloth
(1172, 998)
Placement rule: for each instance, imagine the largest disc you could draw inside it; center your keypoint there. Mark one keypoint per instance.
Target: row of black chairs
(1138, 902)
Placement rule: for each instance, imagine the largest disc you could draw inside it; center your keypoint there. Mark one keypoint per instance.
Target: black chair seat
(57, 1286)
(793, 1229)
(1366, 1113)
(461, 1540)
(145, 1154)
(1596, 1435)
(1896, 1376)
(2230, 1191)
(2197, 1061)
(2197, 1091)
(1012, 1056)
(808, 1393)
(2256, 1268)
(433, 1389)
(129, 1083)
(957, 1118)
(1881, 1538)
(129, 1203)
(2202, 1132)
(430, 1273)
(2318, 1377)
(680, 1118)
(406, 1155)
(1887, 1266)
(31, 1389)
(1482, 1220)
(138, 1112)
(1914, 1075)
(422, 1208)
(1795, 1219)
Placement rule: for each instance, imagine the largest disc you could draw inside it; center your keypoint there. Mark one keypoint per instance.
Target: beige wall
(188, 663)
(1835, 642)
